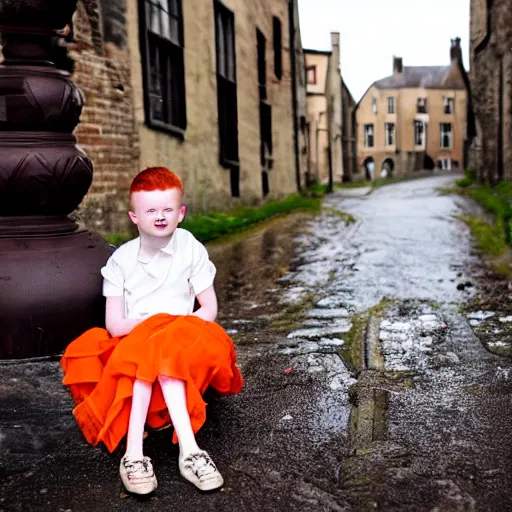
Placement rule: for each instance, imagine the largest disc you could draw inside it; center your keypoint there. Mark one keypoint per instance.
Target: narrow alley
(366, 386)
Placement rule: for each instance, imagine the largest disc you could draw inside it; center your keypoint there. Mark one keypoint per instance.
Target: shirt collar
(167, 249)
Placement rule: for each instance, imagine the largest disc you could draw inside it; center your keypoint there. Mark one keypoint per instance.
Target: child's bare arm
(208, 301)
(115, 322)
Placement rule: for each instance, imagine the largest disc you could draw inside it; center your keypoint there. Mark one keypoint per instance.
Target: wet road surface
(366, 387)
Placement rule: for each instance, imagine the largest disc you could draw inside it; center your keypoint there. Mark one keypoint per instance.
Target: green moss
(502, 267)
(352, 350)
(347, 217)
(354, 184)
(490, 238)
(219, 224)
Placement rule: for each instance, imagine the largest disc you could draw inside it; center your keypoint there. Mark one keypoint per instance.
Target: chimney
(455, 50)
(335, 45)
(398, 65)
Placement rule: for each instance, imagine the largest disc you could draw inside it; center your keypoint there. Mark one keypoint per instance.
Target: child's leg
(136, 470)
(195, 464)
(140, 403)
(176, 401)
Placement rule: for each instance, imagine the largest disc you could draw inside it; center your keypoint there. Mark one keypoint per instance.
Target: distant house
(416, 118)
(324, 92)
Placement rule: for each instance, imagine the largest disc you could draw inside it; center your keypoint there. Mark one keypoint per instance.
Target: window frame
(308, 70)
(374, 105)
(387, 132)
(227, 87)
(418, 123)
(449, 105)
(174, 50)
(277, 39)
(391, 105)
(443, 134)
(366, 128)
(422, 105)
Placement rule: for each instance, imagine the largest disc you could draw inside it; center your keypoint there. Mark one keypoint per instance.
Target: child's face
(157, 213)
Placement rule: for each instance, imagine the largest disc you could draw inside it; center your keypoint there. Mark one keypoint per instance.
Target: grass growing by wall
(493, 237)
(217, 224)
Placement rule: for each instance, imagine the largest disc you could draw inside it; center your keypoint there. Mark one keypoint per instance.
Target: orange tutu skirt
(100, 372)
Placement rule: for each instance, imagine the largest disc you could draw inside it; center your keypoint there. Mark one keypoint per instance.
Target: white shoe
(199, 469)
(137, 475)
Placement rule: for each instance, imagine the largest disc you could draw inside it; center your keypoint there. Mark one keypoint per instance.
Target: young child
(157, 356)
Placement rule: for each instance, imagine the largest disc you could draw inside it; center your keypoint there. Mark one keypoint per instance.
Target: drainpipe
(293, 62)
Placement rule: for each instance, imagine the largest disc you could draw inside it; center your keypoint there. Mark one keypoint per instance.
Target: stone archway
(366, 167)
(387, 168)
(428, 163)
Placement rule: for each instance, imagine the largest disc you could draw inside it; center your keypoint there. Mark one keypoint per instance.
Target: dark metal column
(50, 284)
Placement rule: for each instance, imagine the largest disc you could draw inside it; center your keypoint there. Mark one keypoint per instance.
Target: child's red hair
(155, 178)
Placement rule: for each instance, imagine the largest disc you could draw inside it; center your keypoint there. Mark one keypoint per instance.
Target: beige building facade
(325, 113)
(414, 119)
(210, 89)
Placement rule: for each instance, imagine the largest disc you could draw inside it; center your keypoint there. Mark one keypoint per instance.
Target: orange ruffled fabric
(100, 372)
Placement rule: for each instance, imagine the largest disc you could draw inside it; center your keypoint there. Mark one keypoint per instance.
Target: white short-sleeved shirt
(168, 283)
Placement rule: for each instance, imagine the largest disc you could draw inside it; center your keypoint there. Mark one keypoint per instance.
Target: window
(390, 134)
(421, 106)
(419, 133)
(278, 47)
(311, 75)
(163, 67)
(226, 86)
(444, 164)
(448, 105)
(391, 105)
(374, 105)
(265, 114)
(446, 135)
(368, 135)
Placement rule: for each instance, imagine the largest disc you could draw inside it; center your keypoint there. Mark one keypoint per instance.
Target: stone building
(325, 112)
(349, 134)
(209, 88)
(491, 87)
(416, 118)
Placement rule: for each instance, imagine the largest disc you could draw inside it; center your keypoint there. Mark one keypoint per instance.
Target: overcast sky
(372, 31)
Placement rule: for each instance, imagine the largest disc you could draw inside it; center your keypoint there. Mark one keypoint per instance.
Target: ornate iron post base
(50, 285)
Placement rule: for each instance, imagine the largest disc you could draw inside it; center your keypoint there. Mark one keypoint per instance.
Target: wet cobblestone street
(367, 386)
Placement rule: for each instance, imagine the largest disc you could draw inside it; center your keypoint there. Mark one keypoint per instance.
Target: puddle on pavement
(248, 267)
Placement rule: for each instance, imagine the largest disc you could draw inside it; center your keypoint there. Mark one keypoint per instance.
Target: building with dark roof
(415, 118)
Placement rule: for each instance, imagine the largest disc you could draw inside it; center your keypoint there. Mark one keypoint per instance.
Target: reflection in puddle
(249, 266)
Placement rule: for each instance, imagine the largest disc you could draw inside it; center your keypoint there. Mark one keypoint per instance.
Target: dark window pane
(163, 65)
(230, 50)
(278, 48)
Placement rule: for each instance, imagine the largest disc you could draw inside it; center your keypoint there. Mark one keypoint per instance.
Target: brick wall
(107, 130)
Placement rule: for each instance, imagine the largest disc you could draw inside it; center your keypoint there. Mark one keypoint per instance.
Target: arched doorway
(387, 168)
(428, 163)
(368, 165)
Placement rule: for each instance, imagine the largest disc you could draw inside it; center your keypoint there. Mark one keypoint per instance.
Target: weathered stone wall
(491, 84)
(196, 158)
(107, 131)
(348, 126)
(113, 131)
